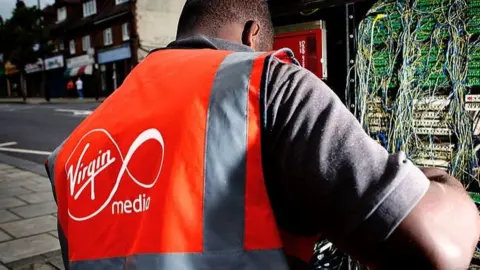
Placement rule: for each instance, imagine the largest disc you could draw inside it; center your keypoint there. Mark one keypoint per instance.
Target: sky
(6, 6)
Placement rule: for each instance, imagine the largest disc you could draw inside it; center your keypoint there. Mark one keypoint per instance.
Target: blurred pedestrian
(79, 84)
(70, 86)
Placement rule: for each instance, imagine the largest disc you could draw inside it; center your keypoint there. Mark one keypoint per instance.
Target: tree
(24, 39)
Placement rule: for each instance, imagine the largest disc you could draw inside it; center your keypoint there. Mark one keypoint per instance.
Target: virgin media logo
(97, 167)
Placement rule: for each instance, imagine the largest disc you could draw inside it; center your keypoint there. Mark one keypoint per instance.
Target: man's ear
(250, 34)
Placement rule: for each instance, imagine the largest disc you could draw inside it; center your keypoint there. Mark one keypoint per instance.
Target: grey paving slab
(39, 187)
(31, 226)
(41, 179)
(57, 261)
(5, 166)
(10, 171)
(36, 266)
(10, 183)
(4, 237)
(13, 191)
(8, 202)
(5, 173)
(38, 168)
(35, 210)
(3, 267)
(37, 197)
(22, 175)
(6, 216)
(24, 248)
(54, 233)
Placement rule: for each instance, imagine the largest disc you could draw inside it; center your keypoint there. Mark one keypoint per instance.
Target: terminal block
(446, 156)
(472, 107)
(440, 147)
(473, 26)
(433, 131)
(431, 104)
(473, 73)
(432, 163)
(377, 129)
(473, 81)
(471, 4)
(430, 123)
(429, 115)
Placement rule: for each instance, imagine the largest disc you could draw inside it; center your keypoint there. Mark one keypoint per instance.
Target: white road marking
(13, 108)
(22, 151)
(25, 151)
(75, 112)
(7, 144)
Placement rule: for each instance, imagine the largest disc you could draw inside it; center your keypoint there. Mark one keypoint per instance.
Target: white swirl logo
(82, 176)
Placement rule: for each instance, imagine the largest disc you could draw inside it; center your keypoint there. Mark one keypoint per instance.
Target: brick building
(94, 40)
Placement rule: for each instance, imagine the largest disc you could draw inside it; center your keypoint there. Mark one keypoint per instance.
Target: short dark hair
(210, 15)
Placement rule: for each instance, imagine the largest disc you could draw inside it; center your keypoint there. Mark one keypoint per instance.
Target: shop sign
(79, 61)
(36, 67)
(54, 62)
(116, 54)
(10, 68)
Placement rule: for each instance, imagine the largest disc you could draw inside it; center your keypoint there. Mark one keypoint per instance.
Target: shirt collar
(204, 42)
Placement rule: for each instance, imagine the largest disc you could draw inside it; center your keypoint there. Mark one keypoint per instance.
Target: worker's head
(246, 22)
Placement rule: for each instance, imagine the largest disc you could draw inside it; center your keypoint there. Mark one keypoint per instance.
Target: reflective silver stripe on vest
(224, 189)
(247, 260)
(225, 155)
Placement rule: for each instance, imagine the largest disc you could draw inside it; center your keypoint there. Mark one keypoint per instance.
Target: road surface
(31, 132)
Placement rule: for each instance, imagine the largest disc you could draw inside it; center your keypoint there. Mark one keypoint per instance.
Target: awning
(77, 71)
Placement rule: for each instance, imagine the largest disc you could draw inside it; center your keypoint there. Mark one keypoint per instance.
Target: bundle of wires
(412, 53)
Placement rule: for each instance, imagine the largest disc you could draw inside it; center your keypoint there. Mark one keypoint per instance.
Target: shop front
(33, 78)
(115, 64)
(3, 81)
(55, 84)
(13, 80)
(82, 67)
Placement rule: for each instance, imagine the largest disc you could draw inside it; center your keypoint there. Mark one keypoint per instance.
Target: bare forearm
(440, 233)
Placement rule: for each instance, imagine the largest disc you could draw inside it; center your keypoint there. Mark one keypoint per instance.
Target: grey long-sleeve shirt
(324, 174)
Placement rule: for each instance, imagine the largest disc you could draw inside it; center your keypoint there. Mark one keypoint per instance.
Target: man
(212, 156)
(79, 84)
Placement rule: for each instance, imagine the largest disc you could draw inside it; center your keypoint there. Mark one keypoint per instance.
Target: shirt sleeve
(324, 174)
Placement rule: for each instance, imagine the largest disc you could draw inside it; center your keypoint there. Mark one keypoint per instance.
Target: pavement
(28, 223)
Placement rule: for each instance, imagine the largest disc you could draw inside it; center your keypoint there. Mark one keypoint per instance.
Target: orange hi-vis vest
(167, 172)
